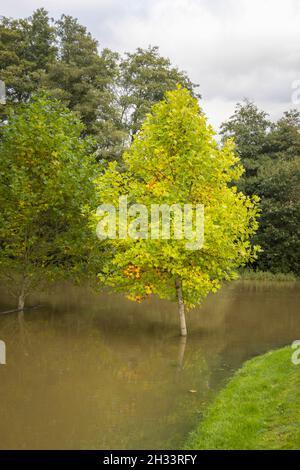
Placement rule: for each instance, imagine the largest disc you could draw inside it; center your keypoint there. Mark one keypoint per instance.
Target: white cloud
(231, 48)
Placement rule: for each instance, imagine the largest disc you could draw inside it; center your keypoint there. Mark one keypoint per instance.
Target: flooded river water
(99, 372)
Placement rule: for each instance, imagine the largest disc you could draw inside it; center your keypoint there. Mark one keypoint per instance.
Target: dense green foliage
(63, 58)
(248, 126)
(271, 155)
(258, 409)
(111, 94)
(145, 77)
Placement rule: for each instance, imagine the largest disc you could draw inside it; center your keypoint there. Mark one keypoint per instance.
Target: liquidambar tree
(175, 159)
(46, 185)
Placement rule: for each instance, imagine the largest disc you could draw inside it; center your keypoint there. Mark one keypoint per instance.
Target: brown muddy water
(99, 372)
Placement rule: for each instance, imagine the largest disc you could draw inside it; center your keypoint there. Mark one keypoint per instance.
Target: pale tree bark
(22, 296)
(181, 351)
(181, 309)
(21, 302)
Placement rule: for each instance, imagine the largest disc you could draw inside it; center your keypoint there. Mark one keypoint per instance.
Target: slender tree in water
(175, 160)
(46, 174)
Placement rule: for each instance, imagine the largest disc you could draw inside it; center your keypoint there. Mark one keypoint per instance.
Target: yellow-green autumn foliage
(176, 159)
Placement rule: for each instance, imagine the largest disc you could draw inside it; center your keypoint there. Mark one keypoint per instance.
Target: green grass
(249, 275)
(258, 409)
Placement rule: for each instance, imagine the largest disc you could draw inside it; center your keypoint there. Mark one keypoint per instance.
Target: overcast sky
(232, 48)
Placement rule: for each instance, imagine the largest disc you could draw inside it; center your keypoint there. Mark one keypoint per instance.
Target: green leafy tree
(279, 231)
(144, 78)
(270, 152)
(81, 77)
(278, 185)
(283, 141)
(39, 45)
(111, 95)
(63, 58)
(174, 159)
(46, 189)
(249, 127)
(27, 46)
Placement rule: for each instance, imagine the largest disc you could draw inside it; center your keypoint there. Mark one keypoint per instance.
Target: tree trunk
(181, 351)
(21, 299)
(183, 330)
(21, 302)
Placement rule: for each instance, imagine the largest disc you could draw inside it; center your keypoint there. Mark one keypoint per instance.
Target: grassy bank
(258, 409)
(249, 275)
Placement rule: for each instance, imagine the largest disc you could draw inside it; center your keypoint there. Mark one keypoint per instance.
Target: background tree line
(111, 95)
(270, 153)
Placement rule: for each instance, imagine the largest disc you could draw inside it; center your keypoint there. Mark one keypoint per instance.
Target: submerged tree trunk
(21, 302)
(181, 352)
(183, 330)
(21, 298)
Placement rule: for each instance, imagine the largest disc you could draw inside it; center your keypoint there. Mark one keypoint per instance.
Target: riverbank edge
(251, 275)
(259, 408)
